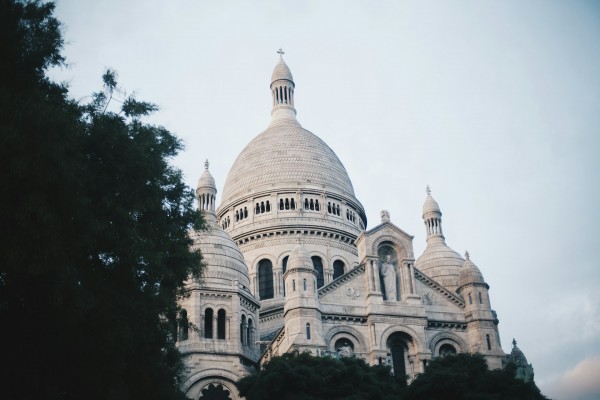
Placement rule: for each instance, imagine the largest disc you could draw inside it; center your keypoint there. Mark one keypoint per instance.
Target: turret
(482, 324)
(301, 310)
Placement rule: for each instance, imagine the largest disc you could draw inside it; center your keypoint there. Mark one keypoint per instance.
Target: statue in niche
(388, 274)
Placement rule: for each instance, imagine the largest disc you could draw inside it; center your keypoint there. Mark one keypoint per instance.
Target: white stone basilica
(290, 266)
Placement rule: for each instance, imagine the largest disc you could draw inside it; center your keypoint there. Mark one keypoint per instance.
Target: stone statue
(389, 278)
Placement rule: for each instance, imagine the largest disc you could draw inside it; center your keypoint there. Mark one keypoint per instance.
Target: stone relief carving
(429, 298)
(353, 292)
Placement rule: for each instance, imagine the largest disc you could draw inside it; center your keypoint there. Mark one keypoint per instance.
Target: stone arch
(447, 337)
(344, 331)
(400, 248)
(203, 378)
(415, 346)
(254, 265)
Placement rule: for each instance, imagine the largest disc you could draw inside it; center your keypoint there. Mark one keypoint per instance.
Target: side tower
(482, 324)
(286, 182)
(218, 326)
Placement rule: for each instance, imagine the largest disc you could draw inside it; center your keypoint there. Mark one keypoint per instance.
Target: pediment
(351, 285)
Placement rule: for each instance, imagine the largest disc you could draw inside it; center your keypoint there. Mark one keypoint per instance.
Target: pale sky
(494, 104)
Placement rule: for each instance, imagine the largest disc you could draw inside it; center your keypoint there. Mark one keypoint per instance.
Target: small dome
(207, 181)
(440, 263)
(282, 71)
(470, 273)
(517, 357)
(430, 204)
(299, 258)
(224, 263)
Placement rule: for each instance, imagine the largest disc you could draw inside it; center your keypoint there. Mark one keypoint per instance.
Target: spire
(282, 90)
(206, 191)
(432, 216)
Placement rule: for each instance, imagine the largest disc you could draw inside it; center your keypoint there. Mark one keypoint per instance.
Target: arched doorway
(397, 348)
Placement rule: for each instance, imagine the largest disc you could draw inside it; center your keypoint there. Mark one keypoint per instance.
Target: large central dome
(286, 155)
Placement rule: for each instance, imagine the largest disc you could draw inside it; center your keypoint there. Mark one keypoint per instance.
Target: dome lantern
(282, 90)
(206, 191)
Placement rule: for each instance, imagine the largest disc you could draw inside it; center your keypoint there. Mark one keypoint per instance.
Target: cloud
(580, 383)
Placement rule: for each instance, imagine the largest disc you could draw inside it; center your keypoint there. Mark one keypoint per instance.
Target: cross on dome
(280, 52)
(206, 164)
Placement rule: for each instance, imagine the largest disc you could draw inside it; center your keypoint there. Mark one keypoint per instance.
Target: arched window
(265, 279)
(470, 299)
(262, 206)
(183, 325)
(293, 204)
(281, 204)
(480, 298)
(489, 342)
(338, 210)
(312, 204)
(317, 205)
(268, 208)
(242, 329)
(306, 204)
(257, 209)
(305, 284)
(208, 323)
(249, 332)
(287, 204)
(284, 268)
(245, 212)
(329, 207)
(338, 269)
(237, 216)
(307, 331)
(221, 315)
(294, 285)
(318, 266)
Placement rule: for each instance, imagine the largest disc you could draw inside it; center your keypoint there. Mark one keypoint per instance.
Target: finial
(466, 254)
(281, 53)
(514, 343)
(206, 164)
(428, 190)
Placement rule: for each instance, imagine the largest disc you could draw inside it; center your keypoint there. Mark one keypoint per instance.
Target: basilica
(292, 265)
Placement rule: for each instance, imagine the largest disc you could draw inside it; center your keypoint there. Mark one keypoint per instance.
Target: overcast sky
(495, 105)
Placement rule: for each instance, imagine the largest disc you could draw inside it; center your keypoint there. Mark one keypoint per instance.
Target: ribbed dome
(286, 155)
(470, 273)
(223, 260)
(281, 71)
(441, 263)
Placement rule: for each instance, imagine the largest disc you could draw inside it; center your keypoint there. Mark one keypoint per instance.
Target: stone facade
(288, 250)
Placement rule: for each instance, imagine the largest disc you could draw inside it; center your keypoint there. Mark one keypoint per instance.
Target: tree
(467, 377)
(301, 376)
(94, 230)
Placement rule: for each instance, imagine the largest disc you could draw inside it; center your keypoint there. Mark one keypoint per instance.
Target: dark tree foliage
(467, 377)
(93, 224)
(295, 376)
